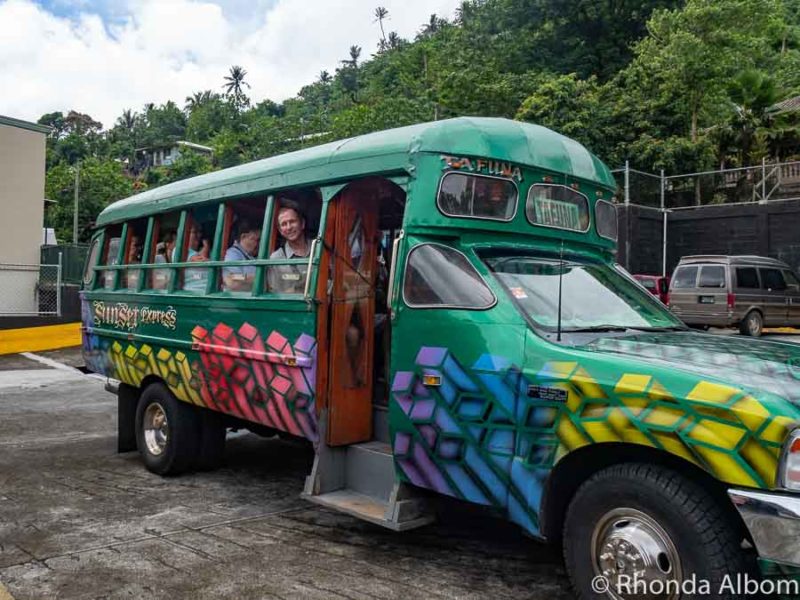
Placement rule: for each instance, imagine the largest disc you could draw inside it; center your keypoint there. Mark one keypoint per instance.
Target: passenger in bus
(290, 279)
(240, 278)
(490, 198)
(164, 250)
(195, 279)
(134, 257)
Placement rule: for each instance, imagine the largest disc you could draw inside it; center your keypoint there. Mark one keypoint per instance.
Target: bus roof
(389, 151)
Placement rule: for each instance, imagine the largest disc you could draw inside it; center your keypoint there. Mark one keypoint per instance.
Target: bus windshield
(594, 296)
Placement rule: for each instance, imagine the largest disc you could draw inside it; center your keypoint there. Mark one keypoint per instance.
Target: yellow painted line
(33, 339)
(781, 330)
(5, 594)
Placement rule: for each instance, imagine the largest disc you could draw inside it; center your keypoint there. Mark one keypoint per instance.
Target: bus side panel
(257, 365)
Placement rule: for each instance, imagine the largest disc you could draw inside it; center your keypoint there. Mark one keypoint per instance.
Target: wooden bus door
(353, 312)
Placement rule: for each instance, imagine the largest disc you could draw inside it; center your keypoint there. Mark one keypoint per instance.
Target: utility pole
(75, 210)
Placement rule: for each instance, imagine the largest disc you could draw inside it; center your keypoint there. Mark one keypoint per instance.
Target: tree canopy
(682, 85)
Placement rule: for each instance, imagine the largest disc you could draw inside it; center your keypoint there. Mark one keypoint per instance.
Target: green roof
(390, 151)
(19, 123)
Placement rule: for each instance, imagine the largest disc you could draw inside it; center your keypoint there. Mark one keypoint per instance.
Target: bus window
(111, 254)
(477, 196)
(196, 247)
(134, 246)
(162, 251)
(241, 240)
(441, 277)
(296, 221)
(557, 206)
(88, 273)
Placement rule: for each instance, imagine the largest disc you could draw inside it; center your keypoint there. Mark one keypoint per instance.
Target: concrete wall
(770, 229)
(22, 172)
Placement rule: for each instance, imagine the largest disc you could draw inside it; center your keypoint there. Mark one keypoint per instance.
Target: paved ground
(78, 520)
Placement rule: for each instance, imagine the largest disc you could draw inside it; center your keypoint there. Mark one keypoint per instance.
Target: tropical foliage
(673, 84)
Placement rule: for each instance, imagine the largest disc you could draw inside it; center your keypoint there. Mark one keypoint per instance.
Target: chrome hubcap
(156, 429)
(755, 326)
(629, 547)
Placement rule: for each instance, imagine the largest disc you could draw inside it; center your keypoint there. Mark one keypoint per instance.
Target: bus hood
(755, 365)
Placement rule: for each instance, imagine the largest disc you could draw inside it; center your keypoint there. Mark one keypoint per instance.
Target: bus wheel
(642, 531)
(212, 440)
(167, 431)
(753, 324)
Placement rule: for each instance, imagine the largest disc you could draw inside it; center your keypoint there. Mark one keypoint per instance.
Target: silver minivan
(749, 292)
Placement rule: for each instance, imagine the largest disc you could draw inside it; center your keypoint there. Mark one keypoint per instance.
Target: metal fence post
(627, 182)
(664, 234)
(764, 179)
(58, 285)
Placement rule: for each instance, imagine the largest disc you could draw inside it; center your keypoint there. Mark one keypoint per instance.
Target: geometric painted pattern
(491, 435)
(267, 381)
(258, 380)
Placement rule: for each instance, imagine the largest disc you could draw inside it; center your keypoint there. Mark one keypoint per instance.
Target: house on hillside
(163, 155)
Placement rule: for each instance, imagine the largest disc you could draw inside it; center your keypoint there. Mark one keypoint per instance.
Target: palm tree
(128, 120)
(355, 52)
(380, 14)
(752, 93)
(433, 25)
(197, 100)
(235, 81)
(394, 40)
(324, 77)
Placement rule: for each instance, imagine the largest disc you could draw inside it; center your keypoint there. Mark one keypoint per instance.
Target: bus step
(399, 516)
(360, 480)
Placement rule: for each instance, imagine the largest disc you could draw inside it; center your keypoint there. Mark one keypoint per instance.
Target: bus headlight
(789, 467)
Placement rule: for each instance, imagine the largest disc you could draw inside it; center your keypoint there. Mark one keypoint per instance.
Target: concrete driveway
(78, 520)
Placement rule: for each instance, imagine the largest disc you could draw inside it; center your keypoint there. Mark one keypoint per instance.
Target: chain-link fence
(72, 258)
(761, 183)
(30, 290)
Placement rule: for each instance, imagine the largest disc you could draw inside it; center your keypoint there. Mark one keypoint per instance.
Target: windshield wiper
(597, 328)
(602, 328)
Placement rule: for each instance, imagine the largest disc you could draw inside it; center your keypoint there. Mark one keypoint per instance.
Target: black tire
(752, 324)
(171, 449)
(703, 540)
(212, 440)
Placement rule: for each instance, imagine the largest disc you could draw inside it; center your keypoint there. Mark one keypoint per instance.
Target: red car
(656, 285)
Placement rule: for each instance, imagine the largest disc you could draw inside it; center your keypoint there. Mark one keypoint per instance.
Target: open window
(134, 248)
(241, 242)
(162, 251)
(195, 248)
(111, 254)
(296, 220)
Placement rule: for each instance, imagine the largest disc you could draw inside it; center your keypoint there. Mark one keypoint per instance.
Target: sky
(102, 57)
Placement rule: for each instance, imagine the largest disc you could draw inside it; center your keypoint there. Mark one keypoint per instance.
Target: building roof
(788, 105)
(19, 123)
(384, 152)
(182, 143)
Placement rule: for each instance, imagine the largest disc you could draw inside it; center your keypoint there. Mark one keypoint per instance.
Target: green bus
(437, 308)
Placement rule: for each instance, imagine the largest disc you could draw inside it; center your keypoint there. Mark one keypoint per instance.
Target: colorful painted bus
(438, 308)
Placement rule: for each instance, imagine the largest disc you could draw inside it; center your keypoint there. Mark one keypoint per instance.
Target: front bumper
(773, 520)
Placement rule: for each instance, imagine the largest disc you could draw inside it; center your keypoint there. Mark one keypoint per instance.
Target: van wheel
(643, 523)
(167, 431)
(753, 324)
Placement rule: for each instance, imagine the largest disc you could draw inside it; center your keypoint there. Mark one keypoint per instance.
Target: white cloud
(159, 50)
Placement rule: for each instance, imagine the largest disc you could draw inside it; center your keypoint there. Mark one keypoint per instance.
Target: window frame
(674, 284)
(755, 271)
(597, 221)
(571, 189)
(444, 306)
(699, 279)
(472, 217)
